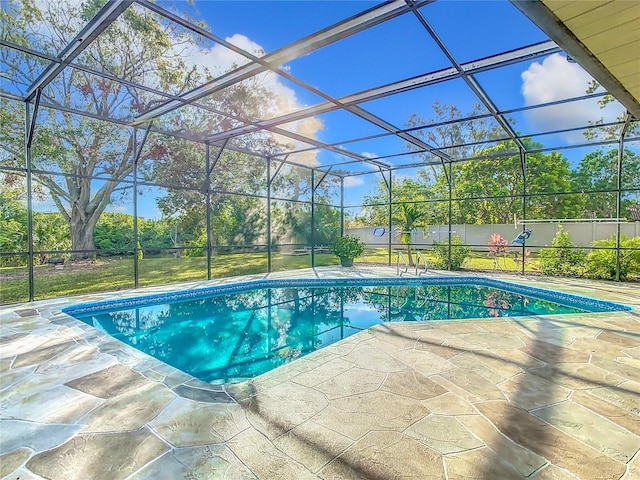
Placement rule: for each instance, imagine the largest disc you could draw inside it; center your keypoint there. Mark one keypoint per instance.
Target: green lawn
(106, 274)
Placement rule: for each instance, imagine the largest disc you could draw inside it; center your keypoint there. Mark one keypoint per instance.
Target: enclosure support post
(269, 217)
(210, 165)
(341, 206)
(313, 217)
(390, 185)
(207, 198)
(450, 213)
(29, 126)
(136, 266)
(523, 163)
(389, 211)
(314, 187)
(623, 132)
(270, 179)
(137, 153)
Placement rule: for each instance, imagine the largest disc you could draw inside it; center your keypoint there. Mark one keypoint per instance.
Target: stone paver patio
(555, 397)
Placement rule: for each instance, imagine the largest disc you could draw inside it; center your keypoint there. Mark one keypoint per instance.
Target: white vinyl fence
(581, 233)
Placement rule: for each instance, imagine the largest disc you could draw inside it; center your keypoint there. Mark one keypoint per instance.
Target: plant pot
(346, 261)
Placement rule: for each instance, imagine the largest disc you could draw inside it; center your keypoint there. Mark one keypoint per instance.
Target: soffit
(602, 35)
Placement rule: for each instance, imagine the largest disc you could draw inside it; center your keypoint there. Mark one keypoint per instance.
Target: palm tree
(407, 217)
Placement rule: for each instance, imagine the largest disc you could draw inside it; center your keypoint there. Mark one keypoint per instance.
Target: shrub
(517, 259)
(348, 246)
(498, 246)
(601, 264)
(195, 252)
(459, 254)
(200, 242)
(114, 231)
(564, 260)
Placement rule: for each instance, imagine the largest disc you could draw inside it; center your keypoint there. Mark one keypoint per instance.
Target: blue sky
(390, 52)
(399, 49)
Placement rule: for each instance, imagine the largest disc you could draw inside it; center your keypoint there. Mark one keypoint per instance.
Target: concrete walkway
(543, 398)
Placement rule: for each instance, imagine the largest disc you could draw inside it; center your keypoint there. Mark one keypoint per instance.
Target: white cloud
(353, 181)
(557, 79)
(219, 59)
(370, 166)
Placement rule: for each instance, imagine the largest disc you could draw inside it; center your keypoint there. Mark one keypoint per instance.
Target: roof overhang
(603, 36)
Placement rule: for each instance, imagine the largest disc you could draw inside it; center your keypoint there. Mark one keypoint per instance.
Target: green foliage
(482, 179)
(200, 243)
(13, 226)
(598, 171)
(564, 260)
(291, 221)
(601, 264)
(195, 252)
(408, 212)
(50, 230)
(13, 238)
(550, 173)
(50, 233)
(155, 235)
(459, 254)
(348, 246)
(138, 43)
(327, 225)
(474, 183)
(411, 208)
(114, 231)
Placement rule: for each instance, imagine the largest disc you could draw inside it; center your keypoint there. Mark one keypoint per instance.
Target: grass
(108, 274)
(477, 261)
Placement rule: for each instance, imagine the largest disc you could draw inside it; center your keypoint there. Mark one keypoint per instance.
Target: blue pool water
(227, 334)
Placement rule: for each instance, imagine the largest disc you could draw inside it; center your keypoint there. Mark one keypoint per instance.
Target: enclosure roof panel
(362, 85)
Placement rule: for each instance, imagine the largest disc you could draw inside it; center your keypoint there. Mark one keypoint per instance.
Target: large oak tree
(83, 161)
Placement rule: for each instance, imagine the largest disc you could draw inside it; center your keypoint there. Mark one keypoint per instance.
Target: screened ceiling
(346, 87)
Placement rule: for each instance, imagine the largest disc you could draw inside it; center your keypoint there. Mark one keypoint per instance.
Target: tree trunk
(405, 238)
(410, 257)
(81, 229)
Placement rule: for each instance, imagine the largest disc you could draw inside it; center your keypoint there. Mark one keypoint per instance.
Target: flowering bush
(498, 246)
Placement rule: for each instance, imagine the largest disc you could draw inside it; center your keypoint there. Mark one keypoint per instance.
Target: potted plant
(347, 248)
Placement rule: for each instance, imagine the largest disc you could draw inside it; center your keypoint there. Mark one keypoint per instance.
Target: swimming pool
(231, 333)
